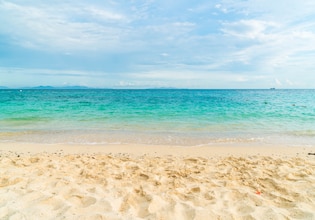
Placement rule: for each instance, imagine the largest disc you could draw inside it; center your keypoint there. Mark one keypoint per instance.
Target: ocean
(158, 116)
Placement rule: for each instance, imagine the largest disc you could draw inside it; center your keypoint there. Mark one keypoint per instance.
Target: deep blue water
(178, 117)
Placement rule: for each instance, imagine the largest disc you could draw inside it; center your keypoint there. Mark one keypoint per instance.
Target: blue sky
(158, 43)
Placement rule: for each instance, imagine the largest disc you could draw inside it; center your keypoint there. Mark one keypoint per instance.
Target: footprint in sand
(82, 201)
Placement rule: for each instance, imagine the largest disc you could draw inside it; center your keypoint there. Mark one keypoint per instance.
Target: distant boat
(272, 88)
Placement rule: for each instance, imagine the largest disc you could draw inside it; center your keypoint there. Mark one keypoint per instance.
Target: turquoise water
(176, 117)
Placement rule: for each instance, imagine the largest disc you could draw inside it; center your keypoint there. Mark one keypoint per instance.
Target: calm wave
(179, 117)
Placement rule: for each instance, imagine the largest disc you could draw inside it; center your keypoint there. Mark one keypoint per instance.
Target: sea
(180, 117)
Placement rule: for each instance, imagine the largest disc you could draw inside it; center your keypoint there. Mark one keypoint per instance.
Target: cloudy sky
(158, 43)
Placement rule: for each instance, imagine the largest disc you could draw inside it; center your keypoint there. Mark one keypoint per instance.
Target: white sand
(156, 182)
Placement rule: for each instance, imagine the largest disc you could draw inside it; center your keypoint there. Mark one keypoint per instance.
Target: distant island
(63, 87)
(48, 87)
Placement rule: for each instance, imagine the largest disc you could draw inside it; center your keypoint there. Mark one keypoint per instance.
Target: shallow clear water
(179, 117)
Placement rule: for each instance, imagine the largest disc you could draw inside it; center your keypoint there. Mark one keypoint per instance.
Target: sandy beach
(156, 182)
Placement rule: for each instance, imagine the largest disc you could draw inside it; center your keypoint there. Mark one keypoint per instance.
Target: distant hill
(42, 87)
(3, 87)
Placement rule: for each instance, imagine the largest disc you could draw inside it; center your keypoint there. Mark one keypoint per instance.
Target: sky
(158, 43)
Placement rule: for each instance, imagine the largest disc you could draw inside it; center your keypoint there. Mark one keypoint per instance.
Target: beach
(51, 181)
(157, 154)
(157, 110)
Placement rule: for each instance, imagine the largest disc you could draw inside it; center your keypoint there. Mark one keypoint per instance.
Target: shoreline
(156, 182)
(233, 149)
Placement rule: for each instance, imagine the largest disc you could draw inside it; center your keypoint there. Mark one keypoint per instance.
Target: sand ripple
(105, 186)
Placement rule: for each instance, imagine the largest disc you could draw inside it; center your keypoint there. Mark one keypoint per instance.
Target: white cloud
(60, 27)
(162, 42)
(272, 47)
(164, 54)
(284, 11)
(35, 77)
(289, 82)
(278, 83)
(104, 14)
(87, 27)
(251, 29)
(49, 72)
(166, 75)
